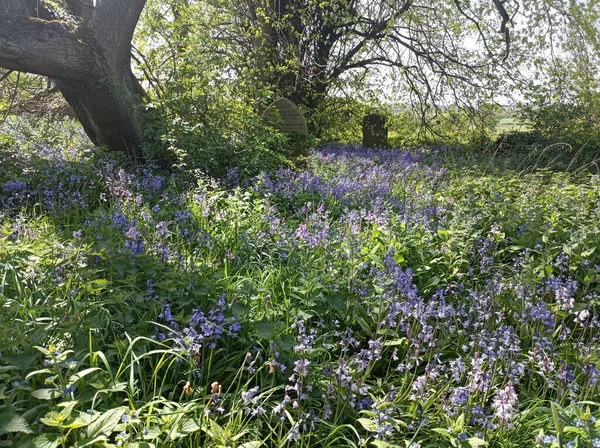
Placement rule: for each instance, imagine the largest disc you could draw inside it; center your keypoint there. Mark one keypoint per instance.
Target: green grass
(379, 298)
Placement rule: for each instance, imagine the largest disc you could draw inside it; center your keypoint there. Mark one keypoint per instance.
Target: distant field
(510, 123)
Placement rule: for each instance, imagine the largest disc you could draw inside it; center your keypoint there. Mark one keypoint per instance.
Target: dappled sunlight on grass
(379, 298)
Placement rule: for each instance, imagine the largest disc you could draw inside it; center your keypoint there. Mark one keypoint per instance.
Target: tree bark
(89, 61)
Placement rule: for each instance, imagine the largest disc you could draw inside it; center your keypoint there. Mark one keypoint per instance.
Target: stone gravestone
(289, 120)
(375, 132)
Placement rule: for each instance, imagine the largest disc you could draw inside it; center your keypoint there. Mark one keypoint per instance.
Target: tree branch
(31, 8)
(114, 22)
(499, 4)
(6, 75)
(81, 8)
(45, 48)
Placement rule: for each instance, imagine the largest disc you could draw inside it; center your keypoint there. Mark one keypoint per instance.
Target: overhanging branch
(499, 4)
(43, 47)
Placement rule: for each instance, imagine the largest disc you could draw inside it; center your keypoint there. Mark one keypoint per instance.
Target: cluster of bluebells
(204, 330)
(63, 182)
(358, 179)
(483, 378)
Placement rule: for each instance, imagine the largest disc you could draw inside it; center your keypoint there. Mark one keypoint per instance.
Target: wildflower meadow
(376, 298)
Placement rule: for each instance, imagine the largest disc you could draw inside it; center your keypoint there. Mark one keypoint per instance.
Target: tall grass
(379, 298)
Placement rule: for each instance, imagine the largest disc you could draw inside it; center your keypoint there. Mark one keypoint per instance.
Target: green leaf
(336, 301)
(45, 394)
(587, 253)
(68, 408)
(573, 429)
(81, 421)
(189, 426)
(54, 419)
(45, 351)
(10, 422)
(240, 311)
(443, 432)
(363, 323)
(382, 444)
(286, 342)
(253, 444)
(97, 285)
(369, 425)
(91, 441)
(267, 330)
(76, 377)
(152, 433)
(394, 342)
(444, 234)
(37, 372)
(47, 441)
(105, 423)
(475, 441)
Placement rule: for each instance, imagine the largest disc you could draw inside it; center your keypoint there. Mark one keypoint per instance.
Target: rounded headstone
(291, 118)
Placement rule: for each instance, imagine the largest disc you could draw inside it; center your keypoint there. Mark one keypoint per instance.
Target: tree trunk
(108, 110)
(87, 56)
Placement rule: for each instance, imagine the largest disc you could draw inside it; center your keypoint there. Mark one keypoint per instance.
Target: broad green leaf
(10, 422)
(336, 301)
(286, 342)
(587, 253)
(78, 422)
(443, 432)
(253, 444)
(105, 423)
(68, 408)
(188, 426)
(47, 441)
(45, 394)
(53, 418)
(91, 441)
(369, 425)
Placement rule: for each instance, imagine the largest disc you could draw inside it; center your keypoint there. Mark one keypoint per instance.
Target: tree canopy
(424, 52)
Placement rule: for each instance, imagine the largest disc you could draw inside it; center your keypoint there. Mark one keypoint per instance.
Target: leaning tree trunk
(88, 57)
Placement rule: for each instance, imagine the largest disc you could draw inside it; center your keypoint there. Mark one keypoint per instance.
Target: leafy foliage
(378, 298)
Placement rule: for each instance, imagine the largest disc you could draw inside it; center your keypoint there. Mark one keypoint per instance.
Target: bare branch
(6, 75)
(499, 4)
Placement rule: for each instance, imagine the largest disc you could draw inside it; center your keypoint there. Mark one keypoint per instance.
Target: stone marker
(291, 121)
(375, 133)
(291, 118)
